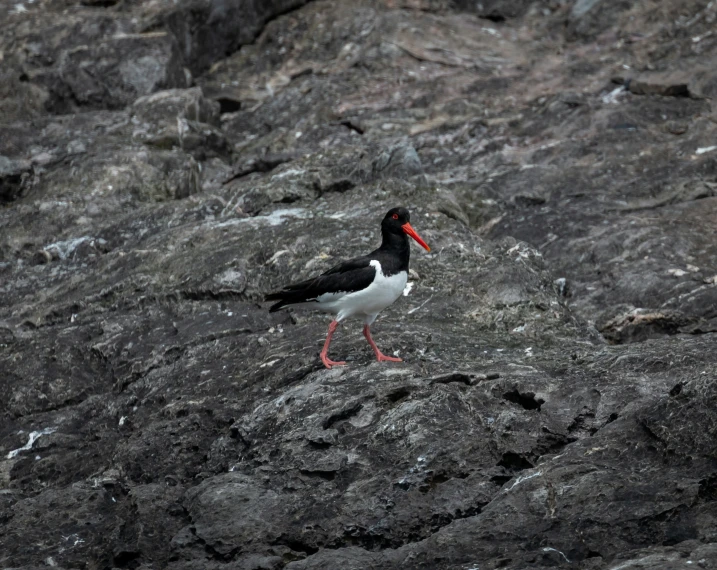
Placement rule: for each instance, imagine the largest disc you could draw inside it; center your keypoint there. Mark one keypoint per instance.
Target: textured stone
(164, 165)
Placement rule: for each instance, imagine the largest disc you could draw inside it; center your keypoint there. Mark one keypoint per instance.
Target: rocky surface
(163, 165)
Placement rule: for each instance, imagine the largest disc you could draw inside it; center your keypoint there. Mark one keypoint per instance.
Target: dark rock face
(13, 174)
(210, 30)
(164, 165)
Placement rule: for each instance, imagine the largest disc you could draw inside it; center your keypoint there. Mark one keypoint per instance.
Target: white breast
(368, 302)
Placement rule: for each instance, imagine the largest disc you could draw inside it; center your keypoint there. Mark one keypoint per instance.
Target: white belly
(368, 302)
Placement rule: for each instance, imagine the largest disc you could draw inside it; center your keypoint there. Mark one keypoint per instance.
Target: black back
(355, 274)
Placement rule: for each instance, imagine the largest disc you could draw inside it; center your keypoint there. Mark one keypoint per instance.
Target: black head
(397, 223)
(394, 220)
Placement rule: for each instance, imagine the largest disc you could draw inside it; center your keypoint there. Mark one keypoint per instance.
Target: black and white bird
(360, 287)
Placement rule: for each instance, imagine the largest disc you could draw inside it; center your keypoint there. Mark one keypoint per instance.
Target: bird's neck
(396, 245)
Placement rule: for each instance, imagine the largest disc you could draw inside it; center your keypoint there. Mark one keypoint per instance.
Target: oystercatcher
(360, 287)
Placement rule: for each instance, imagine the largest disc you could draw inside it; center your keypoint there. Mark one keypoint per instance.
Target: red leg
(379, 355)
(324, 358)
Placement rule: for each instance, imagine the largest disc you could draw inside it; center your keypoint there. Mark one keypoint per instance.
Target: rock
(589, 18)
(637, 325)
(674, 84)
(582, 7)
(159, 515)
(399, 161)
(75, 520)
(104, 66)
(181, 119)
(555, 405)
(669, 421)
(703, 83)
(14, 176)
(213, 29)
(496, 10)
(242, 497)
(174, 104)
(448, 204)
(19, 99)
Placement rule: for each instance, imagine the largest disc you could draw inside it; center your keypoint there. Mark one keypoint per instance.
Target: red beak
(411, 232)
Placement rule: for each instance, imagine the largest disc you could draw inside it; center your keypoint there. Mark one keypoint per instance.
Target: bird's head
(397, 221)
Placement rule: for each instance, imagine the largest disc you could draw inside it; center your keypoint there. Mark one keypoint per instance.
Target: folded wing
(347, 277)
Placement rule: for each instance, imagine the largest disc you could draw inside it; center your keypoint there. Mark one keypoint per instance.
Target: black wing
(350, 265)
(351, 275)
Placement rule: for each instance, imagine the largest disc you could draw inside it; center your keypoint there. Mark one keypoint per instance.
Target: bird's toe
(384, 358)
(331, 363)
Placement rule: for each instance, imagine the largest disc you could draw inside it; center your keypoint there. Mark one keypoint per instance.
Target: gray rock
(233, 512)
(496, 10)
(106, 65)
(668, 84)
(212, 29)
(399, 161)
(555, 403)
(13, 178)
(168, 106)
(582, 7)
(181, 119)
(589, 18)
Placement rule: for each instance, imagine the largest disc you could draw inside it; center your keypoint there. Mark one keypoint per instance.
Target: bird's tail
(289, 295)
(278, 296)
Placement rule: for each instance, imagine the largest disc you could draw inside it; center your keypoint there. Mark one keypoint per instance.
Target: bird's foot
(331, 363)
(383, 358)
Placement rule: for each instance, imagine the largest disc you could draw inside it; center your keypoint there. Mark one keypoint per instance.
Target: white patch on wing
(327, 298)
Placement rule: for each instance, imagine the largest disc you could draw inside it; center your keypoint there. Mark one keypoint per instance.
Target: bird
(360, 287)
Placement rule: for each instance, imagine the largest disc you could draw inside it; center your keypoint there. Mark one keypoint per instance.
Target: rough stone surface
(163, 165)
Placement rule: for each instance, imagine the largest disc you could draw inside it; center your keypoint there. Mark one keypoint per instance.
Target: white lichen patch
(65, 248)
(276, 218)
(230, 277)
(31, 440)
(705, 149)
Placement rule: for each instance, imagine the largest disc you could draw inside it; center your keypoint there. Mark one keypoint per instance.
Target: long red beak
(411, 232)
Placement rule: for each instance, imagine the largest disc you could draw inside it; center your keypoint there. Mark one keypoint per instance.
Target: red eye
(395, 216)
